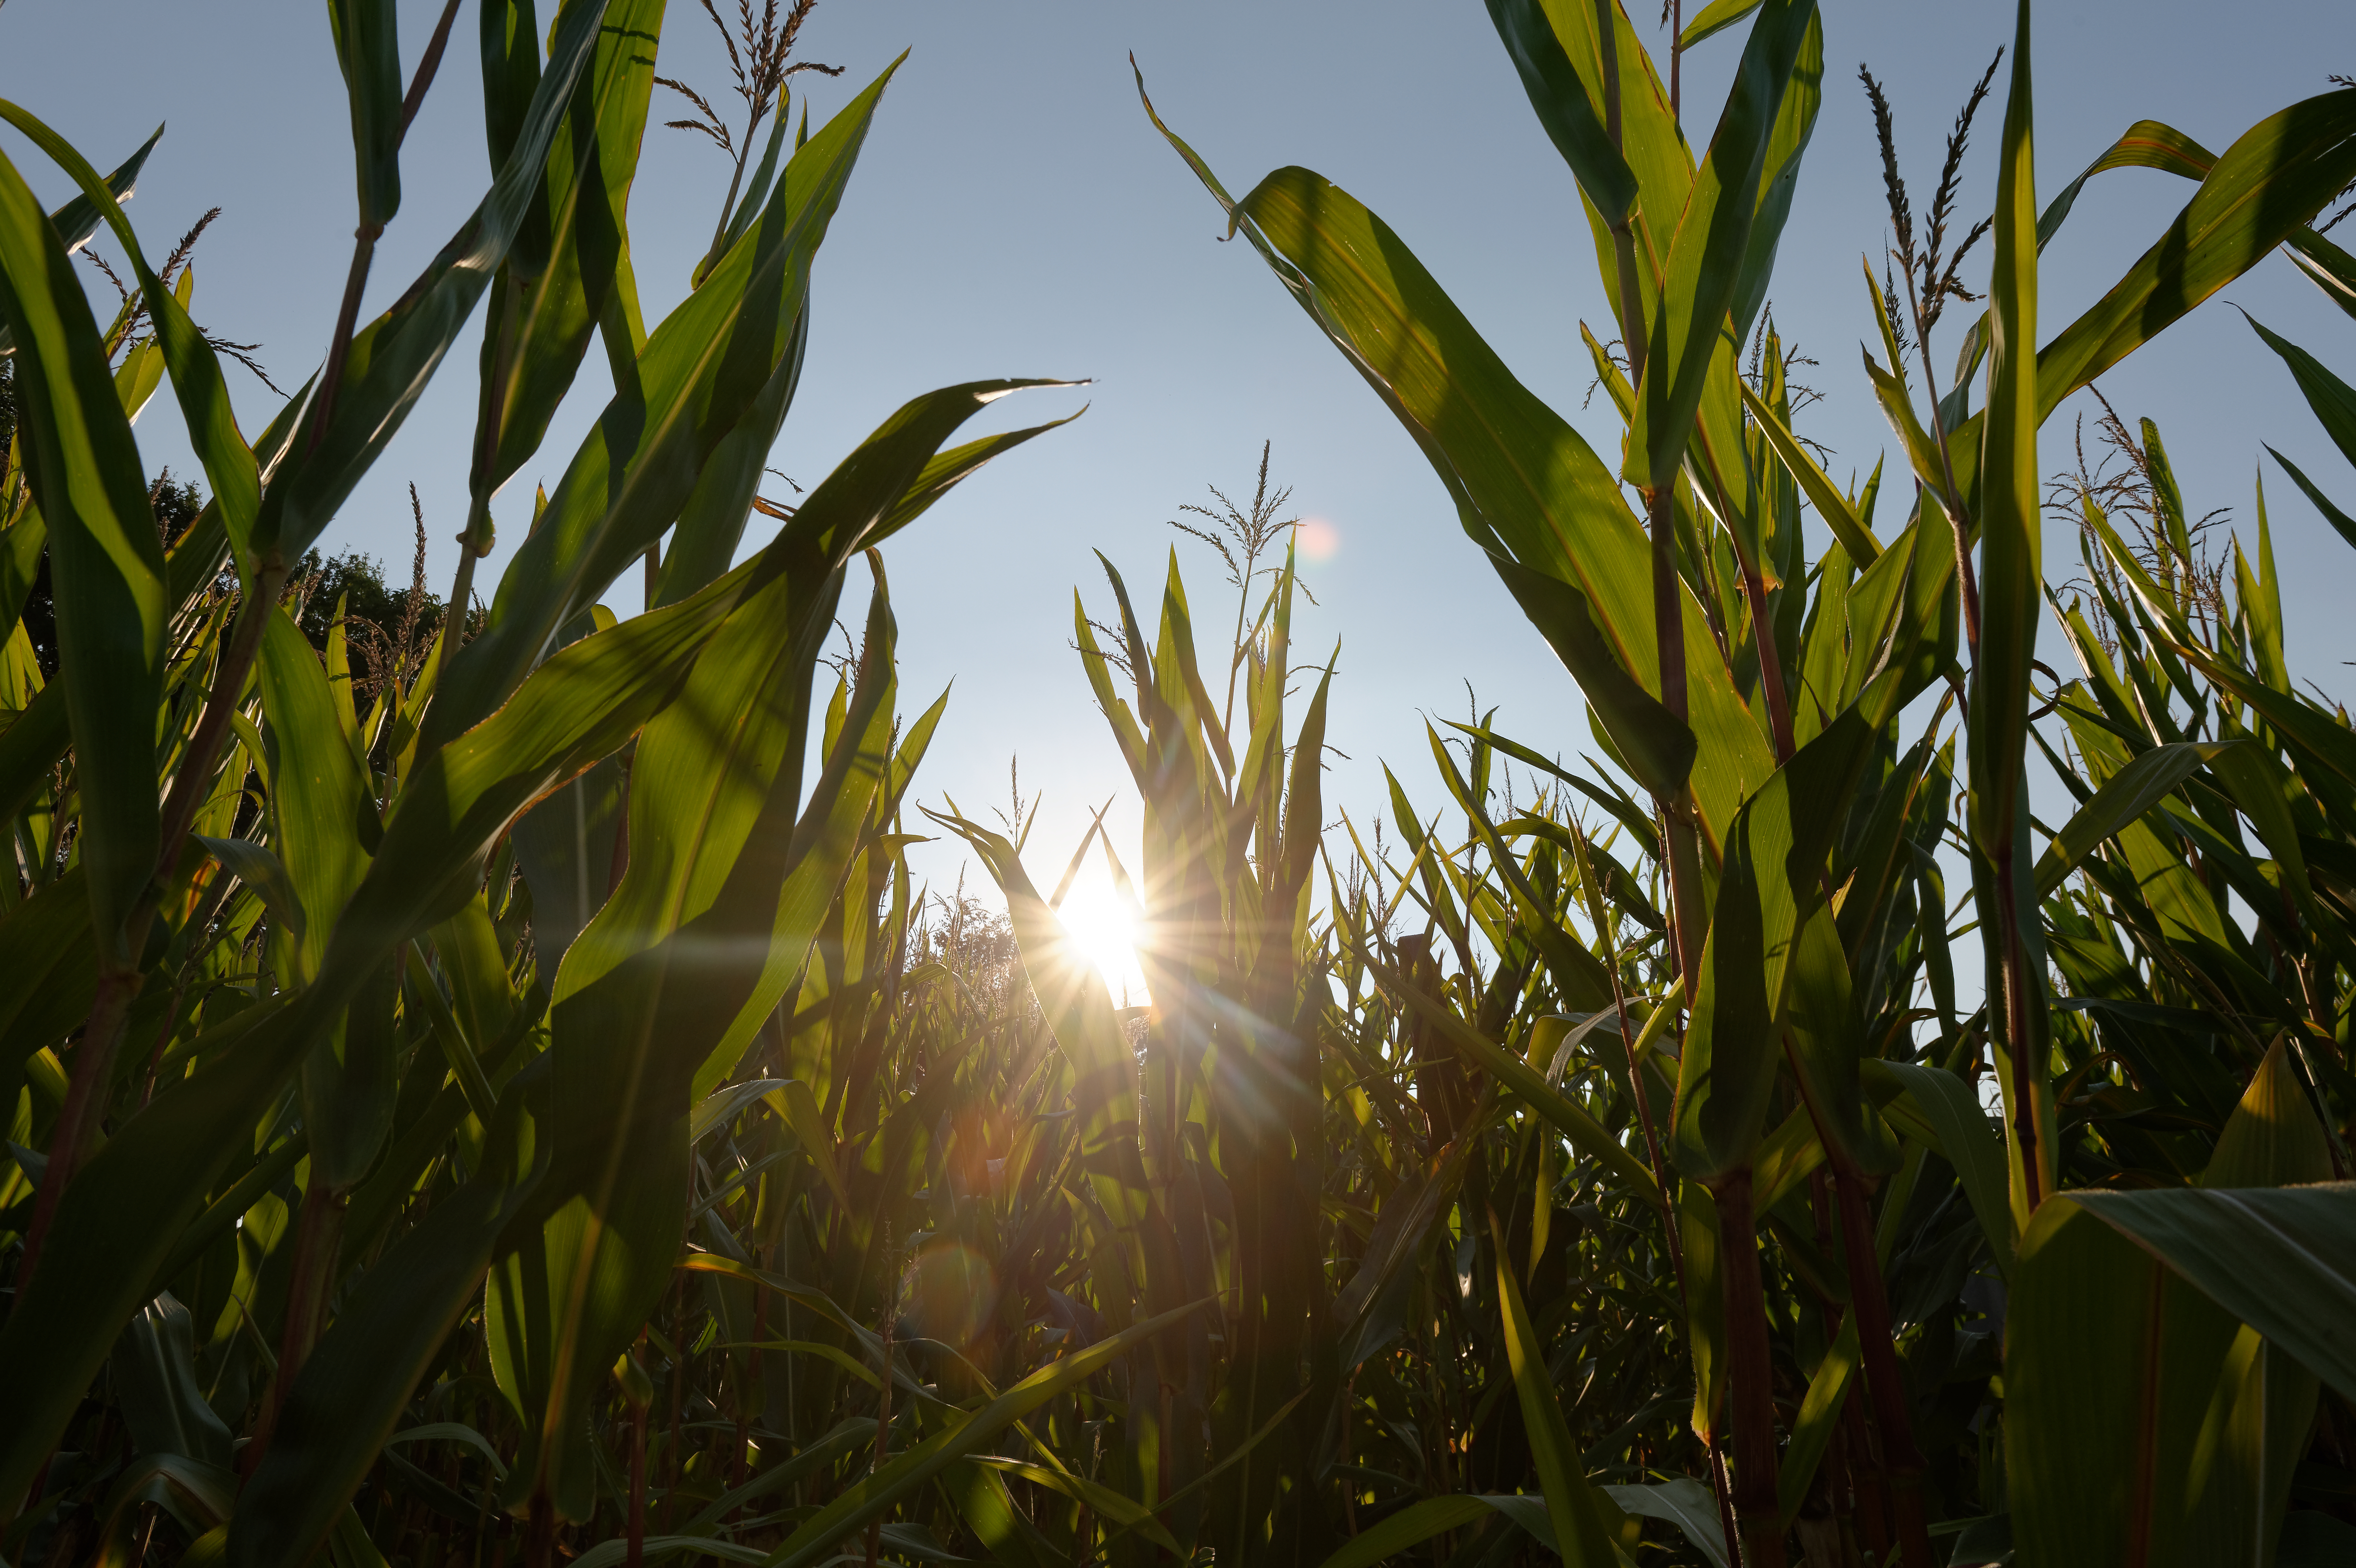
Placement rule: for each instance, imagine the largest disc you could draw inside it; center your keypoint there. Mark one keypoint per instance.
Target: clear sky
(1014, 214)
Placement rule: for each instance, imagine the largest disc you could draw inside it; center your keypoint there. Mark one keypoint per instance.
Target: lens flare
(1101, 926)
(1319, 539)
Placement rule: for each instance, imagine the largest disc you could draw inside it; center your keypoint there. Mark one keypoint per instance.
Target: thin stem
(1750, 1368)
(1903, 1464)
(1674, 1244)
(427, 64)
(318, 1237)
(85, 1102)
(193, 780)
(539, 1533)
(331, 377)
(728, 205)
(479, 506)
(1677, 61)
(1872, 1493)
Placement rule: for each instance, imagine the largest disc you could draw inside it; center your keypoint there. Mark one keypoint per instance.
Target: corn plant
(1753, 714)
(478, 1098)
(280, 927)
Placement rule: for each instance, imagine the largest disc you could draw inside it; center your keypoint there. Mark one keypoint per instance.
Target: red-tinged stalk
(1750, 1370)
(101, 1035)
(1902, 1462)
(1839, 1484)
(540, 1532)
(318, 1239)
(427, 64)
(1677, 61)
(101, 1038)
(1871, 1494)
(1680, 842)
(85, 1102)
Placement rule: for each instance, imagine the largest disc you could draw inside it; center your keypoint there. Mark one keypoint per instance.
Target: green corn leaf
(393, 358)
(1714, 18)
(1586, 1134)
(1824, 1042)
(1820, 1411)
(2278, 1258)
(1527, 487)
(1570, 113)
(879, 1493)
(1571, 1503)
(1830, 504)
(2164, 1420)
(1711, 256)
(2125, 797)
(1898, 408)
(107, 564)
(2011, 582)
(48, 940)
(367, 48)
(570, 261)
(125, 1208)
(78, 219)
(2342, 523)
(704, 932)
(1411, 1526)
(2333, 399)
(353, 1389)
(2146, 144)
(1658, 746)
(1769, 884)
(1958, 1132)
(2333, 269)
(2259, 596)
(2273, 1138)
(1683, 1502)
(1651, 141)
(323, 807)
(2265, 187)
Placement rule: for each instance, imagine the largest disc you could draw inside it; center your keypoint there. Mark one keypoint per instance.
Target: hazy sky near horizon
(1014, 214)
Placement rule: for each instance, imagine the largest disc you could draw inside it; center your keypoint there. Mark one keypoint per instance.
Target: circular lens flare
(1319, 539)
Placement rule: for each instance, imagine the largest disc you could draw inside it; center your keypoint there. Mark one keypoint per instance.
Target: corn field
(488, 1090)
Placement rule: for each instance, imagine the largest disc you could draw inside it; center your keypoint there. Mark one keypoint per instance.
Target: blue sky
(1014, 214)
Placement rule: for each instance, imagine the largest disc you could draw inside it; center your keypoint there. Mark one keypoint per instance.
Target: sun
(1101, 925)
